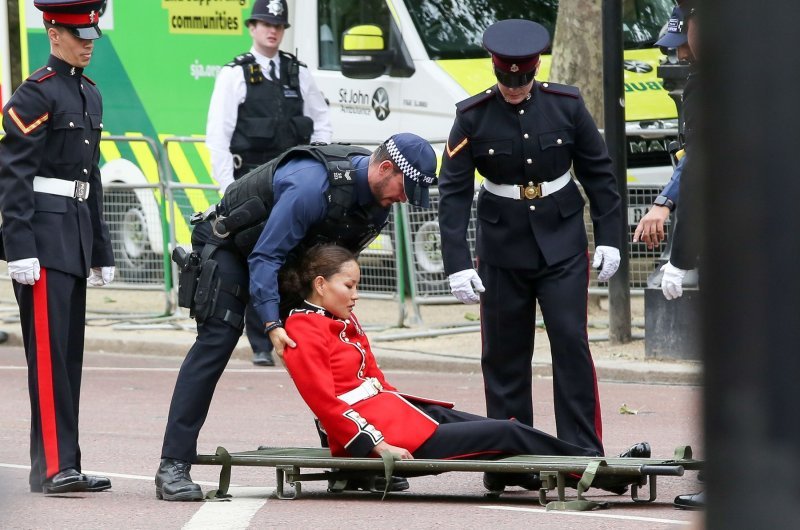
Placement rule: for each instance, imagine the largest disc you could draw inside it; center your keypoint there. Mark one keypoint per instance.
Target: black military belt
(531, 191)
(77, 189)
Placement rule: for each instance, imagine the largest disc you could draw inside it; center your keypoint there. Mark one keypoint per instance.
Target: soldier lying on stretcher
(362, 413)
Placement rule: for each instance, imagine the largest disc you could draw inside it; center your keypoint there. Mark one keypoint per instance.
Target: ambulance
(383, 65)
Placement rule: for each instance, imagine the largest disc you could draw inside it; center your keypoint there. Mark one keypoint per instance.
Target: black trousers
(53, 316)
(464, 435)
(508, 319)
(207, 358)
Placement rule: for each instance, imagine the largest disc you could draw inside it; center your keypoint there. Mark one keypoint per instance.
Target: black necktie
(272, 70)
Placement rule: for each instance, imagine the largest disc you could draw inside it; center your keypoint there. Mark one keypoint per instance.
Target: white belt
(531, 191)
(77, 189)
(367, 389)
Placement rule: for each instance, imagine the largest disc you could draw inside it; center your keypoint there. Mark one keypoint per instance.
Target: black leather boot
(173, 482)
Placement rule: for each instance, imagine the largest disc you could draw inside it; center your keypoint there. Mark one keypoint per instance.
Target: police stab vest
(271, 119)
(247, 203)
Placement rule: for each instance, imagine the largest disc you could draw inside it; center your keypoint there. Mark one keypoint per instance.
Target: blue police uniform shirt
(670, 191)
(299, 187)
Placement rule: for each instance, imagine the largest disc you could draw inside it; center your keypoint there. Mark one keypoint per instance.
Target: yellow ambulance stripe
(109, 150)
(145, 158)
(205, 156)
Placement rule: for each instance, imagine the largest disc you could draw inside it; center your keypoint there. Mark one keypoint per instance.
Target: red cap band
(72, 19)
(515, 66)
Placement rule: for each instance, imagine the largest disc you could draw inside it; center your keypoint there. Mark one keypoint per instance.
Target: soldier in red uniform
(361, 412)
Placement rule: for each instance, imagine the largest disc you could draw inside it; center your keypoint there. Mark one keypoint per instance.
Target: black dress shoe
(693, 501)
(640, 450)
(263, 358)
(173, 482)
(66, 481)
(498, 481)
(96, 483)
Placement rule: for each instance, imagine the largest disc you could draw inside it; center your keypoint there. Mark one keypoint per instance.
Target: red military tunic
(331, 367)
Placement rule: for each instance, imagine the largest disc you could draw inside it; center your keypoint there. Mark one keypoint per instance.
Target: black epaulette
(41, 74)
(474, 101)
(244, 58)
(560, 90)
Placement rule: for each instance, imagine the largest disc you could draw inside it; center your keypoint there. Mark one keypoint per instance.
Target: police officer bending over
(264, 102)
(53, 234)
(524, 136)
(337, 193)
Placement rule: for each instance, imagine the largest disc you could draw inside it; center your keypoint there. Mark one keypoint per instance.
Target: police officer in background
(264, 102)
(53, 234)
(523, 136)
(312, 194)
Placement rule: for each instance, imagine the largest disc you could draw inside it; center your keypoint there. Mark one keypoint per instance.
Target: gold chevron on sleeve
(452, 152)
(27, 128)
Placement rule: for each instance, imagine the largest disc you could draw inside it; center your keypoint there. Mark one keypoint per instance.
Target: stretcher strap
(581, 504)
(221, 493)
(388, 470)
(683, 452)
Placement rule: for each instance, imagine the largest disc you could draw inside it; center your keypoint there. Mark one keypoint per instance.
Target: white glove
(24, 270)
(462, 284)
(672, 281)
(608, 258)
(100, 276)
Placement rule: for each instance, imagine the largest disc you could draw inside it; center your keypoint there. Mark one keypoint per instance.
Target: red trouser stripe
(598, 418)
(44, 373)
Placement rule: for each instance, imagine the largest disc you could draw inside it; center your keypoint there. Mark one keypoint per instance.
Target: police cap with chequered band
(515, 46)
(417, 161)
(80, 17)
(270, 11)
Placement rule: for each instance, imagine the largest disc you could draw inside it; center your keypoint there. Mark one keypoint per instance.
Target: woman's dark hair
(320, 260)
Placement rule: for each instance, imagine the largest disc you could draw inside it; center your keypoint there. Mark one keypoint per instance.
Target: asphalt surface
(130, 369)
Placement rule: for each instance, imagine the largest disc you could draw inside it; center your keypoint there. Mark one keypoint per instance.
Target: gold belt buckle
(532, 191)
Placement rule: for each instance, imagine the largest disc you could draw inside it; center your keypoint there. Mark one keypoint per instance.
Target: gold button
(530, 161)
(533, 208)
(530, 183)
(522, 111)
(491, 151)
(526, 136)
(559, 141)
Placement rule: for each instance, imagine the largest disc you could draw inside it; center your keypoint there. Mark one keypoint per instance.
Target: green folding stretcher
(556, 472)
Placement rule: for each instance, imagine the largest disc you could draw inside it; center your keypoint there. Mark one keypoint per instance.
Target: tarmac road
(124, 406)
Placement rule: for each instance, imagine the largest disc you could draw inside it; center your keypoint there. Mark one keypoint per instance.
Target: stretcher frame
(556, 472)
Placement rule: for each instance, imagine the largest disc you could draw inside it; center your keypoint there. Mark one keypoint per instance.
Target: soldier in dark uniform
(523, 137)
(53, 234)
(312, 194)
(264, 102)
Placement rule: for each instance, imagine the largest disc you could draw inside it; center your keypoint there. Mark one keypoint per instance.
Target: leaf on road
(625, 409)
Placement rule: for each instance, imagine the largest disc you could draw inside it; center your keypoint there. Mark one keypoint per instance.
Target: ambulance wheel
(428, 263)
(134, 260)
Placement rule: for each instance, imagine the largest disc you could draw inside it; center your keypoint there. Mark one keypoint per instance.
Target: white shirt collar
(263, 61)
